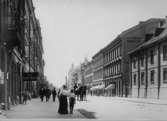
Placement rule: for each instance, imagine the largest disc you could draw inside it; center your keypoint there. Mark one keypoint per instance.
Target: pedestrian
(72, 101)
(47, 91)
(49, 94)
(63, 103)
(54, 94)
(41, 93)
(44, 92)
(84, 93)
(25, 97)
(78, 93)
(75, 88)
(81, 93)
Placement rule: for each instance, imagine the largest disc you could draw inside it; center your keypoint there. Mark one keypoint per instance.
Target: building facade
(16, 32)
(149, 66)
(116, 59)
(88, 74)
(33, 47)
(97, 83)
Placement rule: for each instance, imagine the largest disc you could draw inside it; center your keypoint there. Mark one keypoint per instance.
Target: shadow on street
(87, 114)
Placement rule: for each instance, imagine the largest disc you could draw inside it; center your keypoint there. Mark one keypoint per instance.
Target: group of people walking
(46, 93)
(80, 92)
(66, 98)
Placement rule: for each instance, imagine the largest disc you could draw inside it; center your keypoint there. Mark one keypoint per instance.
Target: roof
(143, 23)
(152, 41)
(124, 33)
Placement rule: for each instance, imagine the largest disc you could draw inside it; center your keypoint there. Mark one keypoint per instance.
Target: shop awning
(97, 87)
(111, 86)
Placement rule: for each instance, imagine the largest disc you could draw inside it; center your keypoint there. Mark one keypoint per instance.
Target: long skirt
(63, 105)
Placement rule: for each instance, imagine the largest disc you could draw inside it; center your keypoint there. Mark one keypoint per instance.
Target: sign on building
(30, 76)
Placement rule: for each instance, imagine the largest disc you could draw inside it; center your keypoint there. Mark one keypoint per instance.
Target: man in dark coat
(54, 94)
(41, 94)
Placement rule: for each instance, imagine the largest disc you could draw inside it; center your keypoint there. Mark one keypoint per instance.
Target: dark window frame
(142, 61)
(165, 53)
(165, 75)
(134, 63)
(152, 76)
(152, 56)
(134, 79)
(142, 78)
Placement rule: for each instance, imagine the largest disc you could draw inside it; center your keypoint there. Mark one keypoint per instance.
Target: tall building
(97, 82)
(148, 65)
(33, 47)
(116, 59)
(20, 51)
(88, 74)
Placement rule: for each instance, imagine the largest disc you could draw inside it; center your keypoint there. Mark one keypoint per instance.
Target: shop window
(165, 75)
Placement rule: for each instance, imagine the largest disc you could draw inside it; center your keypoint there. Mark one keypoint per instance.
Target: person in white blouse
(63, 102)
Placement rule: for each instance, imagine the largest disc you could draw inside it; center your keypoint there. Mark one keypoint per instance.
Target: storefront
(98, 90)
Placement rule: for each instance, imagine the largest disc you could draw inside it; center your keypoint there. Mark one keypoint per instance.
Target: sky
(75, 29)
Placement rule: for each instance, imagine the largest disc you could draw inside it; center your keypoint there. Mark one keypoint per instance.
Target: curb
(139, 101)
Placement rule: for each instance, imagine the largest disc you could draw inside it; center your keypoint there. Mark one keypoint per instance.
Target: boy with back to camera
(72, 101)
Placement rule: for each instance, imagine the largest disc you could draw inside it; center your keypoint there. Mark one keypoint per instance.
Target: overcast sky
(75, 29)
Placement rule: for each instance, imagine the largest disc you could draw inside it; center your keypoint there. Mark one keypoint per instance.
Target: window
(142, 78)
(142, 60)
(165, 75)
(165, 52)
(134, 63)
(110, 56)
(152, 57)
(134, 79)
(118, 51)
(152, 77)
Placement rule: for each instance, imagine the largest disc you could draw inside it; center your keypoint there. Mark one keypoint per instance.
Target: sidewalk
(141, 100)
(35, 109)
(2, 114)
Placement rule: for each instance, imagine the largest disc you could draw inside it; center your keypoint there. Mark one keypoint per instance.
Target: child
(72, 101)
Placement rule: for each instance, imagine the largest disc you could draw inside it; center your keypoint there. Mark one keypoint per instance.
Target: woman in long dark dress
(63, 104)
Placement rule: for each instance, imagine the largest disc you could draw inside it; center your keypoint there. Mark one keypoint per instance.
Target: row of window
(152, 77)
(151, 57)
(114, 69)
(98, 63)
(112, 54)
(88, 80)
(98, 74)
(88, 71)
